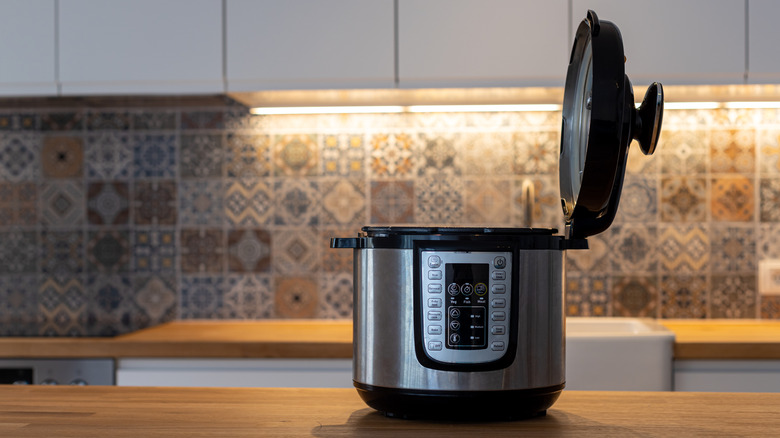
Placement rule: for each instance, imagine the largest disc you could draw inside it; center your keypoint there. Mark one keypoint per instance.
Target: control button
(499, 262)
(454, 338)
(467, 289)
(434, 275)
(434, 345)
(434, 329)
(434, 302)
(497, 346)
(434, 261)
(455, 313)
(495, 316)
(498, 330)
(455, 325)
(480, 289)
(498, 288)
(434, 315)
(498, 303)
(498, 275)
(453, 289)
(434, 288)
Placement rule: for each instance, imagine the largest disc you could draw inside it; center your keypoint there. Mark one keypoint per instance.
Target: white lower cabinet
(267, 373)
(727, 375)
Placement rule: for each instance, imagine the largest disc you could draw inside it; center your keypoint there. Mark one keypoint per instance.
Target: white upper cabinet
(488, 43)
(763, 37)
(140, 46)
(676, 42)
(27, 48)
(309, 44)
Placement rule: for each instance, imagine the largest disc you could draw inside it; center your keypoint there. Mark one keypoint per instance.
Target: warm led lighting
(482, 108)
(751, 105)
(691, 105)
(326, 110)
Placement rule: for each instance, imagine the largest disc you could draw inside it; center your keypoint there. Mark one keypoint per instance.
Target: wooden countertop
(725, 339)
(39, 411)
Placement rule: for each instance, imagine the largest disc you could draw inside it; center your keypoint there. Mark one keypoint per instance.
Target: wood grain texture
(725, 339)
(84, 412)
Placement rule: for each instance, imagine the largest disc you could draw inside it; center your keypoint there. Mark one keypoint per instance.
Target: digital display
(466, 294)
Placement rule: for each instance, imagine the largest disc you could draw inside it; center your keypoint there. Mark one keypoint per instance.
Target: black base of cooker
(460, 405)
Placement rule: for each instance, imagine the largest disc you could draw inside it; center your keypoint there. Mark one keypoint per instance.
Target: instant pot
(468, 323)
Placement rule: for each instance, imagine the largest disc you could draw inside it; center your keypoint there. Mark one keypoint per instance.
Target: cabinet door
(763, 35)
(309, 44)
(676, 42)
(489, 43)
(140, 46)
(27, 48)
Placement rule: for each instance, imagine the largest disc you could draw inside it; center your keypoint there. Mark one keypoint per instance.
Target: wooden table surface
(725, 339)
(39, 411)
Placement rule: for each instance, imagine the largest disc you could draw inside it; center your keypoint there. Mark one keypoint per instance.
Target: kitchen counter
(39, 411)
(725, 339)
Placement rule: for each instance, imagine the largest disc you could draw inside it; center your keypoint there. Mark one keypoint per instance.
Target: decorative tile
(733, 249)
(769, 199)
(768, 143)
(488, 202)
(295, 155)
(249, 250)
(108, 203)
(154, 251)
(18, 204)
(247, 155)
(335, 259)
(19, 305)
(683, 199)
(62, 121)
(634, 248)
(108, 120)
(439, 200)
(683, 151)
(201, 297)
(344, 202)
(19, 122)
(638, 201)
(296, 297)
(437, 155)
(595, 259)
(732, 199)
(62, 254)
(111, 308)
(684, 248)
(546, 207)
(640, 164)
(18, 252)
(62, 157)
(536, 152)
(297, 202)
(62, 203)
(295, 251)
(20, 156)
(248, 297)
(155, 296)
(733, 296)
(202, 250)
(154, 156)
(343, 155)
(248, 202)
(684, 296)
(108, 251)
(768, 241)
(770, 307)
(392, 202)
(484, 153)
(201, 155)
(155, 203)
(587, 295)
(153, 120)
(393, 155)
(202, 119)
(635, 296)
(62, 306)
(733, 151)
(108, 156)
(335, 296)
(200, 202)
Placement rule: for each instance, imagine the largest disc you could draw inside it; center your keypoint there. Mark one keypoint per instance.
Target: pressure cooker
(467, 323)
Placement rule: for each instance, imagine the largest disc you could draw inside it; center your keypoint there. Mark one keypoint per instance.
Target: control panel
(465, 302)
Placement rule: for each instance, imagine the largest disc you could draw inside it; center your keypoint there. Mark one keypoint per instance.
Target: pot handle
(344, 242)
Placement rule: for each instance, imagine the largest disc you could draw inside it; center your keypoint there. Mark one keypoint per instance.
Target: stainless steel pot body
(384, 338)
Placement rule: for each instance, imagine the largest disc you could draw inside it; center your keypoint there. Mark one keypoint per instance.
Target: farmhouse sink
(618, 354)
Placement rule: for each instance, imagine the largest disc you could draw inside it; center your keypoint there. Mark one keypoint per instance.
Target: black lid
(599, 122)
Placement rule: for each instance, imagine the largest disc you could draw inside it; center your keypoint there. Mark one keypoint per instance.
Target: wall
(116, 219)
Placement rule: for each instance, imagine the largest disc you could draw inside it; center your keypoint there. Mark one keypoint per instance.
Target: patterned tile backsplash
(116, 219)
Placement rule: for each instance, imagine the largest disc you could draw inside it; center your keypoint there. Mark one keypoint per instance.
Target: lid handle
(648, 118)
(593, 19)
